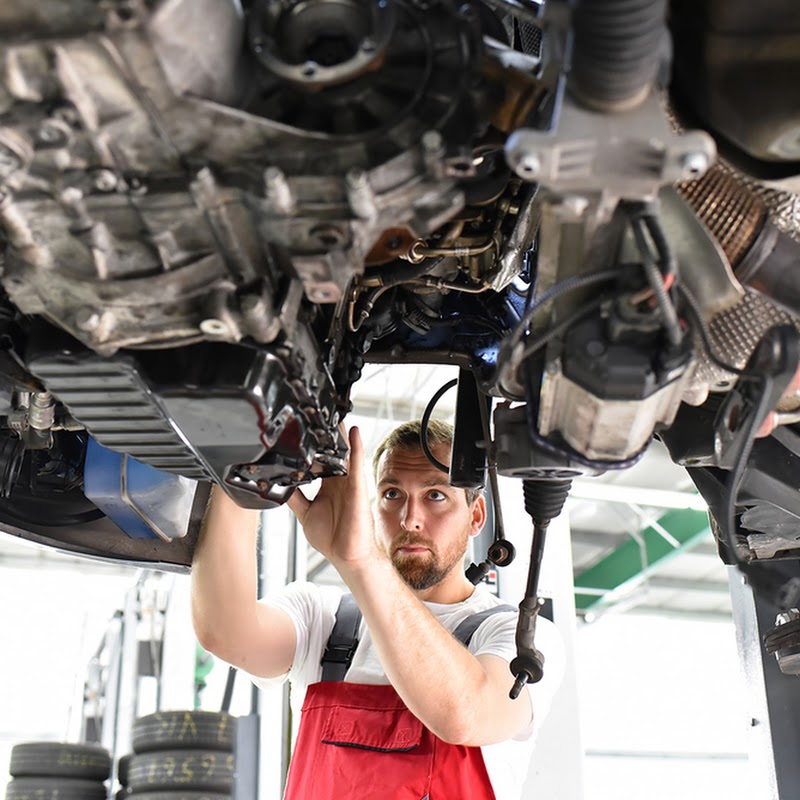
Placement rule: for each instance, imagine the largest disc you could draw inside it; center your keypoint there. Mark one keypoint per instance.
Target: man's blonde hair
(407, 437)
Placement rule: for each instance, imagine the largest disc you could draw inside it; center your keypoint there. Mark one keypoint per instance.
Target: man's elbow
(470, 729)
(219, 640)
(458, 729)
(208, 638)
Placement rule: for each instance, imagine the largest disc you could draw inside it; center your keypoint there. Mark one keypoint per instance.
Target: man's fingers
(356, 444)
(299, 504)
(357, 460)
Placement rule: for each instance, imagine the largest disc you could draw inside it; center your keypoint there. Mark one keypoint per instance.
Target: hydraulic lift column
(772, 697)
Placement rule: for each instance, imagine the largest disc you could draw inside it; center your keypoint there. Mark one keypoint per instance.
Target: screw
(54, 132)
(529, 165)
(252, 469)
(278, 191)
(357, 179)
(432, 141)
(694, 165)
(105, 180)
(263, 486)
(49, 134)
(360, 194)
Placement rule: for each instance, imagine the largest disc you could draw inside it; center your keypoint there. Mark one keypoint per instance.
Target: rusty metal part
(737, 209)
(393, 243)
(519, 95)
(733, 213)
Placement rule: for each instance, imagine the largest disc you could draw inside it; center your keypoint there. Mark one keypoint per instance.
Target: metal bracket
(630, 154)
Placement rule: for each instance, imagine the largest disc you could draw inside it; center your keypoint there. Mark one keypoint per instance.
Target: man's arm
(228, 619)
(461, 698)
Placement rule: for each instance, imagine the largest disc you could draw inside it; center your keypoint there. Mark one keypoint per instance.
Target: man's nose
(411, 519)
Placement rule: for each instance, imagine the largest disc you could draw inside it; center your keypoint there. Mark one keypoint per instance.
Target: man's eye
(391, 494)
(435, 494)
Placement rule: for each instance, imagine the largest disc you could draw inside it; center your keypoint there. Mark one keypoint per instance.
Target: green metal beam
(684, 528)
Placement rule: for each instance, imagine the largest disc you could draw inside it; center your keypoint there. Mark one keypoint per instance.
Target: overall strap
(343, 640)
(468, 626)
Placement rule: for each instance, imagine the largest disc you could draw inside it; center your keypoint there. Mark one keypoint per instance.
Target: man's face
(422, 522)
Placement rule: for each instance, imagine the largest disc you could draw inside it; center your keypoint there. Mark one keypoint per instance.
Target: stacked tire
(58, 771)
(181, 755)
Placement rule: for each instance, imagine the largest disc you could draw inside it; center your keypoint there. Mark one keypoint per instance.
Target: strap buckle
(339, 653)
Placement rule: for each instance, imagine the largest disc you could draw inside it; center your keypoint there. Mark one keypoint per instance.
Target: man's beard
(424, 570)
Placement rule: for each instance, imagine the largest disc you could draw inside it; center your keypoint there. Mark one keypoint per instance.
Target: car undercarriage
(214, 214)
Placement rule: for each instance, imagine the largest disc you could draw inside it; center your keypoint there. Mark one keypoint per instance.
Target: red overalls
(360, 742)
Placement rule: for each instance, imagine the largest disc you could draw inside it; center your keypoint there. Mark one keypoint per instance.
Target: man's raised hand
(338, 521)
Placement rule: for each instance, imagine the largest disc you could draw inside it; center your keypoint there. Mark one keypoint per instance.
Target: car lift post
(773, 698)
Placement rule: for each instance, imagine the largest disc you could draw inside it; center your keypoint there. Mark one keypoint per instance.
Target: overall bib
(360, 742)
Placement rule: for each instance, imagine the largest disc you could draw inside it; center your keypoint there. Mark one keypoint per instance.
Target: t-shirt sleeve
(312, 610)
(495, 636)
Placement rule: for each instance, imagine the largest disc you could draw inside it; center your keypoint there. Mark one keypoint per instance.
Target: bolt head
(214, 327)
(432, 141)
(694, 165)
(356, 178)
(105, 180)
(529, 166)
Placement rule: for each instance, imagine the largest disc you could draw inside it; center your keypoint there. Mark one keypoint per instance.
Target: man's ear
(478, 510)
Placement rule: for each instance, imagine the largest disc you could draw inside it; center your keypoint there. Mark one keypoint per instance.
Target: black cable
(423, 433)
(456, 319)
(554, 292)
(705, 334)
(540, 341)
(734, 481)
(665, 255)
(656, 280)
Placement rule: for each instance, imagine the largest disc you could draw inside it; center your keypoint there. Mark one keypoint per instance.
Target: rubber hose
(617, 52)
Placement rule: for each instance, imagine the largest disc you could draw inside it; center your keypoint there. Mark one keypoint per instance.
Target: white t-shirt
(313, 608)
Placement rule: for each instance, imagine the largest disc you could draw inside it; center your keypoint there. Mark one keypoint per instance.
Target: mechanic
(417, 713)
